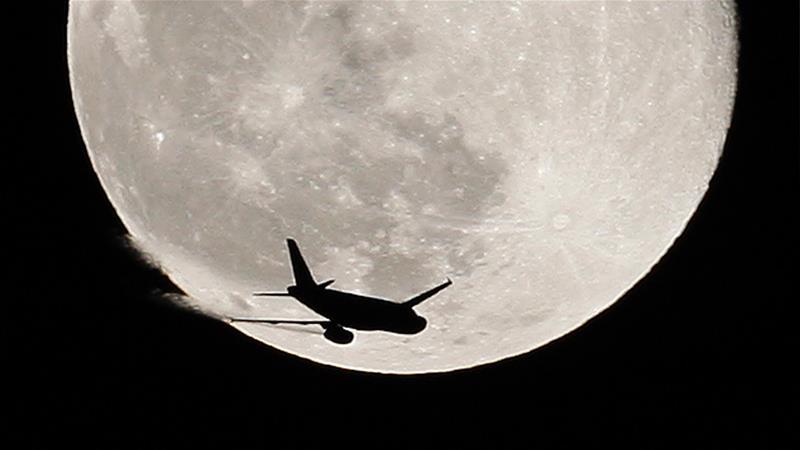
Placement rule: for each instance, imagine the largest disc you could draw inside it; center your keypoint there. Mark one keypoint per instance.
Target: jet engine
(337, 334)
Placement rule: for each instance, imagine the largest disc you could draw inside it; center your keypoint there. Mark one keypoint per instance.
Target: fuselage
(360, 312)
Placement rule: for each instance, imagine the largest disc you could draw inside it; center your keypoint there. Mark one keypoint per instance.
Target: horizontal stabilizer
(325, 284)
(271, 294)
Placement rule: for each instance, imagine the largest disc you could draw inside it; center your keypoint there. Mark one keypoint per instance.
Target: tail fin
(302, 276)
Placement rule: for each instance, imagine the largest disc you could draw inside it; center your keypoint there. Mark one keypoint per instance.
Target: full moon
(543, 155)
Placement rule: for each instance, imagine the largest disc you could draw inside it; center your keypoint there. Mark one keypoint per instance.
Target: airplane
(346, 310)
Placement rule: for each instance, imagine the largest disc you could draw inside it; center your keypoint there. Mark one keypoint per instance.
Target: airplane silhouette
(346, 310)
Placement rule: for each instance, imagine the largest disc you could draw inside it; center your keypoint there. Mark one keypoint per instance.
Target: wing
(324, 323)
(414, 301)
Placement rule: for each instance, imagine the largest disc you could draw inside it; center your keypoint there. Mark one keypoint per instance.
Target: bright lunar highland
(543, 155)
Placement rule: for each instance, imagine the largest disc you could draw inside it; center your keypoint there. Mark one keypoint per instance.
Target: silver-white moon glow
(544, 155)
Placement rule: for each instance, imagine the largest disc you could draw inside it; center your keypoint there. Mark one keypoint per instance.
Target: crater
(561, 221)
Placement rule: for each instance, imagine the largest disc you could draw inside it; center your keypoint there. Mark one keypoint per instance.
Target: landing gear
(337, 334)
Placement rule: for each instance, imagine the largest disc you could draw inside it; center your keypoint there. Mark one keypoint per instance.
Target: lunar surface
(543, 155)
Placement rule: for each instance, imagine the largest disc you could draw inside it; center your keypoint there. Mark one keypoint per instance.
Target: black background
(697, 354)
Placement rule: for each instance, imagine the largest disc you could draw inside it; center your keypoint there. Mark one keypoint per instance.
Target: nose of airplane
(419, 324)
